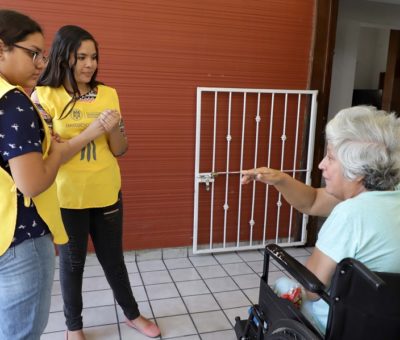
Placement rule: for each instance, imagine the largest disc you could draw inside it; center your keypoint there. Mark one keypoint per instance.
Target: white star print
(1, 112)
(21, 226)
(33, 125)
(2, 136)
(15, 126)
(34, 224)
(12, 146)
(19, 109)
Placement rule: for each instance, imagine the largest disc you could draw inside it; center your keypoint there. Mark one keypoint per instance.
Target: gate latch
(207, 178)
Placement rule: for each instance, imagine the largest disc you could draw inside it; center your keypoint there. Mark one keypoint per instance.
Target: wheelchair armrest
(373, 279)
(306, 278)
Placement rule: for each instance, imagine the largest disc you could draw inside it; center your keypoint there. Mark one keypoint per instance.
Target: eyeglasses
(36, 56)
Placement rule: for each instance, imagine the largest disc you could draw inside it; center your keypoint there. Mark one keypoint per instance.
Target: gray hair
(367, 144)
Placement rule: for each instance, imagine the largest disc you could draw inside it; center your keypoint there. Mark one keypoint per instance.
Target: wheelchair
(362, 304)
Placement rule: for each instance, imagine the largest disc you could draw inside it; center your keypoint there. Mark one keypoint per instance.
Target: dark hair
(15, 27)
(67, 41)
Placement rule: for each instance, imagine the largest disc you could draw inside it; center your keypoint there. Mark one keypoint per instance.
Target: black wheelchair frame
(363, 305)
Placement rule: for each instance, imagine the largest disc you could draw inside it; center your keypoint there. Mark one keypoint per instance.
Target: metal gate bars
(239, 129)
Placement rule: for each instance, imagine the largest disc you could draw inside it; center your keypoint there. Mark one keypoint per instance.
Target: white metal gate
(238, 129)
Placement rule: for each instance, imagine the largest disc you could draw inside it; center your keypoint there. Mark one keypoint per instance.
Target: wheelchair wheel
(287, 329)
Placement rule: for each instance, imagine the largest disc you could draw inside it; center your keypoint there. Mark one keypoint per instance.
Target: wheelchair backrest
(364, 305)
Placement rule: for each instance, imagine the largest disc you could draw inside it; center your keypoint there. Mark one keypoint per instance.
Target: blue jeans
(104, 225)
(26, 278)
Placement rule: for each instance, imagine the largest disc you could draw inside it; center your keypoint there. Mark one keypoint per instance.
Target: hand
(265, 175)
(110, 119)
(58, 148)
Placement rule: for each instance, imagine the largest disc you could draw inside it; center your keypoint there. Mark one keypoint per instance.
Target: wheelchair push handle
(373, 279)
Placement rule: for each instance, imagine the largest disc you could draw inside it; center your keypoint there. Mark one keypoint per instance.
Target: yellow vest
(46, 203)
(91, 179)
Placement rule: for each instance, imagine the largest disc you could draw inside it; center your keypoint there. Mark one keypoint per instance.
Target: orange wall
(156, 52)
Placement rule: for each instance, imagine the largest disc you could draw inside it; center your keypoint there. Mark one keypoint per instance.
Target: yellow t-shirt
(92, 177)
(46, 203)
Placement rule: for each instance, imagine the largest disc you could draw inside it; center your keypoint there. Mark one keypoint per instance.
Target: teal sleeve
(338, 235)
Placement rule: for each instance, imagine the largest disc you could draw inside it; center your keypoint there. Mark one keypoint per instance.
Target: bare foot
(144, 326)
(75, 335)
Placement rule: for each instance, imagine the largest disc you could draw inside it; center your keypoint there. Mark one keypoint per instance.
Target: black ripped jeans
(105, 228)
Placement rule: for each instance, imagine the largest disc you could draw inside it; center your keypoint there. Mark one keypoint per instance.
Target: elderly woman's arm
(323, 267)
(306, 199)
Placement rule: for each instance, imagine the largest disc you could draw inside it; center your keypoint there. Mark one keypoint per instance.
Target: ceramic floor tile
(211, 321)
(56, 322)
(56, 303)
(168, 307)
(203, 260)
(221, 284)
(297, 252)
(162, 291)
(98, 298)
(232, 313)
(228, 258)
(159, 276)
(223, 335)
(178, 263)
(195, 277)
(56, 289)
(258, 266)
(174, 253)
(201, 303)
(176, 326)
(93, 271)
(129, 256)
(151, 265)
(252, 294)
(192, 287)
(98, 316)
(53, 336)
(237, 268)
(252, 255)
(247, 281)
(139, 293)
(135, 279)
(94, 283)
(208, 272)
(184, 274)
(91, 260)
(232, 299)
(273, 276)
(131, 267)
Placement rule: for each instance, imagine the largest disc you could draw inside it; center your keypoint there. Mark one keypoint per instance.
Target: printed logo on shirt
(88, 152)
(76, 114)
(93, 114)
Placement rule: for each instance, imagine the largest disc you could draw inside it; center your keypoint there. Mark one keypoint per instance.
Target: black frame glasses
(36, 55)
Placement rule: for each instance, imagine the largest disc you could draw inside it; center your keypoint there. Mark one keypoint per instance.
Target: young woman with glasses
(30, 218)
(70, 97)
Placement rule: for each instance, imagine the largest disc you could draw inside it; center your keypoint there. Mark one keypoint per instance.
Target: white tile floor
(190, 298)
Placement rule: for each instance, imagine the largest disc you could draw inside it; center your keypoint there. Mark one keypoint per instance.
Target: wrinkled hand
(265, 175)
(109, 119)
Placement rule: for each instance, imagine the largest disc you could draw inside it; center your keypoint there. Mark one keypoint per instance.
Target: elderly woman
(361, 170)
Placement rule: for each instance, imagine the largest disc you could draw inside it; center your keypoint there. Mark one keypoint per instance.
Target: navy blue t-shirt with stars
(21, 132)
